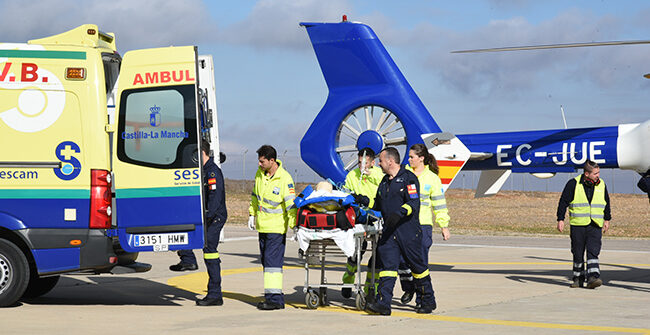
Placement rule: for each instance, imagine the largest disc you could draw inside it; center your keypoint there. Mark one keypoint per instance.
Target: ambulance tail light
(100, 199)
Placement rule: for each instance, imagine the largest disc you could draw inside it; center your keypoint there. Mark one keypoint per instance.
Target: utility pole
(243, 162)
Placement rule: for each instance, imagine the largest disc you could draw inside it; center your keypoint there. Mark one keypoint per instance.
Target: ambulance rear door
(156, 155)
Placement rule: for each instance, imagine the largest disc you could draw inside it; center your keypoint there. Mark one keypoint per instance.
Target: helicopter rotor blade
(554, 46)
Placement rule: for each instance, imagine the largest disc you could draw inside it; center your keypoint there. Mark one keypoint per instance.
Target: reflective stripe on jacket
(364, 184)
(581, 212)
(272, 201)
(431, 197)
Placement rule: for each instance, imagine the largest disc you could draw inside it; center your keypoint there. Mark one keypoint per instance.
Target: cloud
(274, 23)
(137, 24)
(510, 74)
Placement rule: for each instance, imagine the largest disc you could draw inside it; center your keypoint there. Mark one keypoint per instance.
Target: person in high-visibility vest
(362, 182)
(589, 215)
(271, 213)
(432, 205)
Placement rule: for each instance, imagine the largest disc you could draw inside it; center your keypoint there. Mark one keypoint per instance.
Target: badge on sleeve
(292, 190)
(413, 192)
(212, 183)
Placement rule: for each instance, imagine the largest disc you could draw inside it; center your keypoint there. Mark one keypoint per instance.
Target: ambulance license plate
(160, 239)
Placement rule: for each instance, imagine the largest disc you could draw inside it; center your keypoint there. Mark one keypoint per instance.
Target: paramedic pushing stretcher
(362, 182)
(398, 200)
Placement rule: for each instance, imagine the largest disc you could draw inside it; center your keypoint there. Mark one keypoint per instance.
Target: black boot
(406, 297)
(268, 306)
(183, 267)
(209, 302)
(378, 308)
(426, 309)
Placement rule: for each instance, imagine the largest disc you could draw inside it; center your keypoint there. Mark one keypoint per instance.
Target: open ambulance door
(156, 152)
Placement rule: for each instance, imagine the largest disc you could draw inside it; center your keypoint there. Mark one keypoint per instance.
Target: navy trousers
(272, 248)
(407, 244)
(213, 261)
(405, 274)
(187, 256)
(587, 238)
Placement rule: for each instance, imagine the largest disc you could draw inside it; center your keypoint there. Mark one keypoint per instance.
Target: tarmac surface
(484, 285)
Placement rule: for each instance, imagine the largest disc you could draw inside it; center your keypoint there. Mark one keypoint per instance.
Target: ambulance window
(111, 70)
(157, 127)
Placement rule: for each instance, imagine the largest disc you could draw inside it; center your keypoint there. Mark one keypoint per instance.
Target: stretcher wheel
(324, 301)
(360, 301)
(312, 300)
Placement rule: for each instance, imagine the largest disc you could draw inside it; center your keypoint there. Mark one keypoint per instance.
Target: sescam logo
(71, 166)
(42, 97)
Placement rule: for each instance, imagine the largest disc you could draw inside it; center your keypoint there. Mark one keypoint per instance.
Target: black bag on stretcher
(344, 219)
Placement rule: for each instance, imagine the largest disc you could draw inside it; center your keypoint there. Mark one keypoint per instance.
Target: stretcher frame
(319, 251)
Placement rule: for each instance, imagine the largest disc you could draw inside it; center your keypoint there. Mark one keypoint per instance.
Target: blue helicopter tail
(360, 74)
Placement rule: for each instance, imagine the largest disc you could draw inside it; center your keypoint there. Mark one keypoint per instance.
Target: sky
(270, 88)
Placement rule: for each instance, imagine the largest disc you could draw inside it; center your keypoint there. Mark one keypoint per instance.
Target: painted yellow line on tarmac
(196, 283)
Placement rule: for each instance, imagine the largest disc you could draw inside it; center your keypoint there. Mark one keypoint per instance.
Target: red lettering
(138, 79)
(28, 72)
(5, 71)
(165, 77)
(161, 77)
(187, 76)
(180, 73)
(152, 78)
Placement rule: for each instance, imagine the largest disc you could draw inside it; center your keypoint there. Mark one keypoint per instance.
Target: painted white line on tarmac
(245, 238)
(249, 238)
(523, 247)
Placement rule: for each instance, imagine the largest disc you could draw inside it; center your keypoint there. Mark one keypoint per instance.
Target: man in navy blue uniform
(644, 183)
(215, 217)
(398, 199)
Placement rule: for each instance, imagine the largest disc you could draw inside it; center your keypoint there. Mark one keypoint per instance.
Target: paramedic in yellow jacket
(433, 207)
(271, 213)
(362, 181)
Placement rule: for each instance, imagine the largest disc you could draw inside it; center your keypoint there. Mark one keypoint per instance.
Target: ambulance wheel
(324, 301)
(311, 299)
(40, 286)
(360, 301)
(14, 273)
(369, 126)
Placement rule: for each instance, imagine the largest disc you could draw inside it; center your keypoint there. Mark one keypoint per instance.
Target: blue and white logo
(71, 166)
(154, 116)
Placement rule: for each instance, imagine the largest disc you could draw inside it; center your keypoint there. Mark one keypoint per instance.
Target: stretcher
(319, 249)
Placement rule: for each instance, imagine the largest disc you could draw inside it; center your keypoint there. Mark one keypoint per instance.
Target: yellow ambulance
(94, 169)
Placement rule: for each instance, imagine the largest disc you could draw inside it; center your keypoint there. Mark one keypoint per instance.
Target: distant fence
(241, 166)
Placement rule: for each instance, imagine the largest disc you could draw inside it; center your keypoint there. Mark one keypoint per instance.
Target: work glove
(361, 199)
(251, 222)
(294, 237)
(392, 219)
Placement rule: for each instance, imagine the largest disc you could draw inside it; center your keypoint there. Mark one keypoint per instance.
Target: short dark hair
(368, 152)
(205, 147)
(392, 153)
(267, 152)
(590, 166)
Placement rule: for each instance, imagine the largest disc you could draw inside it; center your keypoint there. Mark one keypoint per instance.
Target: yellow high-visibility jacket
(431, 197)
(272, 201)
(364, 184)
(581, 212)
